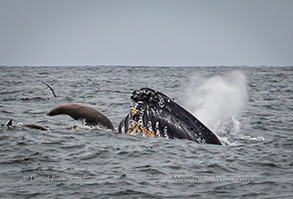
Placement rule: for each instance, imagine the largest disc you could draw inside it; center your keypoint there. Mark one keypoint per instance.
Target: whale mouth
(154, 114)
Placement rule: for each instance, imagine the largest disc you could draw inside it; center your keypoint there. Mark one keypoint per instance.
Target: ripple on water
(114, 165)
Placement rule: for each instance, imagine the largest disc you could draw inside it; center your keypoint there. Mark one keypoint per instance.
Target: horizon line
(111, 65)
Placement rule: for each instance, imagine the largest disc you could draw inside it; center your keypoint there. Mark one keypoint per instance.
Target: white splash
(217, 101)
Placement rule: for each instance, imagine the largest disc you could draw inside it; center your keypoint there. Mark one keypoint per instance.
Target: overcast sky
(150, 32)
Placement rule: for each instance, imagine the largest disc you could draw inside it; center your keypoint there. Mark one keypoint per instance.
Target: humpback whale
(152, 114)
(156, 115)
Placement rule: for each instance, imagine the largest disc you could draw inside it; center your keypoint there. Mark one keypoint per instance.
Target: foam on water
(217, 101)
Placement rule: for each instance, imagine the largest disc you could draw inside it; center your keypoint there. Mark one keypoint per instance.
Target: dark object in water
(156, 115)
(33, 126)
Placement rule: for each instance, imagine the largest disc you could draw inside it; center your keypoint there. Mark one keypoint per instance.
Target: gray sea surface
(250, 109)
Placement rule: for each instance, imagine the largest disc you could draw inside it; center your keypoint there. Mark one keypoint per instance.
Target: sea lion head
(55, 111)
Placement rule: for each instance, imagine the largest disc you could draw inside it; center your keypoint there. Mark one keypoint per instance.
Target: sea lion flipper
(9, 122)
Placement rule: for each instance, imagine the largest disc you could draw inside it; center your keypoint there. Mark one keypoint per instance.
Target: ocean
(250, 109)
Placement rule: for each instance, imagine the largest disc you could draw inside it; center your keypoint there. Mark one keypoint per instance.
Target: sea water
(248, 108)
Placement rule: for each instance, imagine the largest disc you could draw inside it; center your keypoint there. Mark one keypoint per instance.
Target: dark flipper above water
(9, 123)
(91, 116)
(156, 115)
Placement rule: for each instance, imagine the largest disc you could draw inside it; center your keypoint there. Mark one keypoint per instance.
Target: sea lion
(91, 116)
(33, 126)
